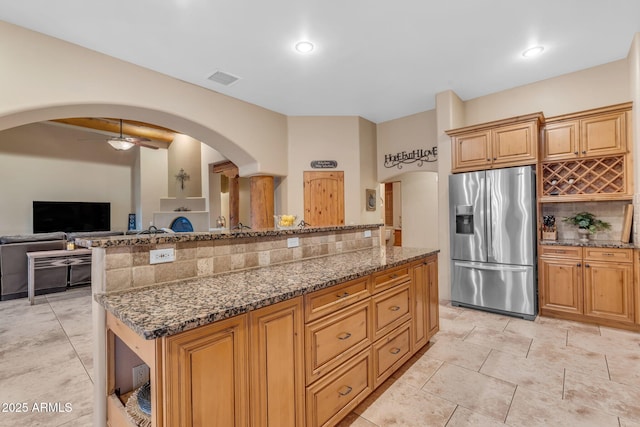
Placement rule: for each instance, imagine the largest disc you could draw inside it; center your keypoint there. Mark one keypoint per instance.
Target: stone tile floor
(481, 369)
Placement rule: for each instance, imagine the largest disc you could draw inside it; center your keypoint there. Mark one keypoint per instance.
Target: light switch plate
(158, 256)
(367, 233)
(293, 242)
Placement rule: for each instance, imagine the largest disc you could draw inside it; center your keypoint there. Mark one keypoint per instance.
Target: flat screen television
(71, 216)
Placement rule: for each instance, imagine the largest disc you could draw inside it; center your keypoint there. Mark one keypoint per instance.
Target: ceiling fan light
(120, 144)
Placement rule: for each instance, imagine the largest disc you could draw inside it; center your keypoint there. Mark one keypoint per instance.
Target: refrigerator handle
(489, 217)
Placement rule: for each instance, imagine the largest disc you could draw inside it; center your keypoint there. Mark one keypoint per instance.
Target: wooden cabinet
(586, 156)
(198, 391)
(600, 132)
(589, 284)
(276, 362)
(425, 300)
(503, 143)
(608, 284)
(306, 361)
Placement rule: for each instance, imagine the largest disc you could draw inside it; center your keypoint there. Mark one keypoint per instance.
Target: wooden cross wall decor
(182, 177)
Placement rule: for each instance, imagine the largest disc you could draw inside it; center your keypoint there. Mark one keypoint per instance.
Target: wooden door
(560, 141)
(388, 204)
(277, 365)
(206, 375)
(561, 285)
(603, 135)
(609, 290)
(324, 198)
(471, 151)
(514, 144)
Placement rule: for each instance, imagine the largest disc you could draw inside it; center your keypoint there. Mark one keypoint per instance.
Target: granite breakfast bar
(379, 305)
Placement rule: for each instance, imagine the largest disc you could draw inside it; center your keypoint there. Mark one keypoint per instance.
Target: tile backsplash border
(609, 211)
(127, 267)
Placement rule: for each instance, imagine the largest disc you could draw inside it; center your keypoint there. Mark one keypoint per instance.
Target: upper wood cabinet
(599, 132)
(503, 143)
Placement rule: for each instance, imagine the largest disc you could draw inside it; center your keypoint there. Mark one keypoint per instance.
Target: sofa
(14, 270)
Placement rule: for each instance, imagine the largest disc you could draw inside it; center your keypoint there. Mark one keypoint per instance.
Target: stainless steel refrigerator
(493, 240)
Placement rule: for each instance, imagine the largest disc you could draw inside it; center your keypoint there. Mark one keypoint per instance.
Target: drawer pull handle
(394, 308)
(607, 254)
(560, 251)
(346, 390)
(393, 276)
(394, 350)
(342, 295)
(344, 336)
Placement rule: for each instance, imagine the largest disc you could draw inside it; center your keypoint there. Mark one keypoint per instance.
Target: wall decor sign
(418, 155)
(370, 195)
(324, 164)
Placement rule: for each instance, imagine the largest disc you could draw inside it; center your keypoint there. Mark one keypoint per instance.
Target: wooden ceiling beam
(129, 128)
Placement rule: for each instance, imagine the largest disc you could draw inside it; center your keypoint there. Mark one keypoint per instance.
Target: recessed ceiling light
(533, 51)
(304, 47)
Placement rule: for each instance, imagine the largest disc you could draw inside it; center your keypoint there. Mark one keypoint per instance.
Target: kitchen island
(295, 343)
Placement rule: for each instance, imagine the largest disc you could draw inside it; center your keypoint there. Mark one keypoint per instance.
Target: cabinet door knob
(587, 265)
(344, 336)
(345, 390)
(575, 152)
(488, 160)
(495, 158)
(584, 152)
(578, 265)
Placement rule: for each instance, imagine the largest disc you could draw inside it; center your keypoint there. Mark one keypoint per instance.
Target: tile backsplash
(610, 211)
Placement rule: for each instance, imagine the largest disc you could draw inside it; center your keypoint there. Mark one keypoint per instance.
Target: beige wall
(368, 173)
(406, 134)
(634, 83)
(47, 162)
(185, 153)
(606, 84)
(151, 175)
(324, 138)
(420, 210)
(65, 80)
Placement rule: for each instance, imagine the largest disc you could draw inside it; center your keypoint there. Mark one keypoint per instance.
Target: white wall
(53, 163)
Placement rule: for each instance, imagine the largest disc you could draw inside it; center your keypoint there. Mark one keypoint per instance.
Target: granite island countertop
(174, 307)
(590, 244)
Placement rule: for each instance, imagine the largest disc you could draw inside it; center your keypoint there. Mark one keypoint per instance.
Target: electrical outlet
(140, 375)
(158, 256)
(293, 242)
(367, 233)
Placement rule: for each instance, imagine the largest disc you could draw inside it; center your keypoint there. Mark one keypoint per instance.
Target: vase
(584, 234)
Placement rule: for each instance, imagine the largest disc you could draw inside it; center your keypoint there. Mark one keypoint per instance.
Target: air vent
(224, 78)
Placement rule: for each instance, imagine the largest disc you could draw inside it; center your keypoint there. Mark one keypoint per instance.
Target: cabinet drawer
(608, 254)
(390, 309)
(560, 251)
(330, 300)
(337, 394)
(388, 278)
(333, 339)
(391, 352)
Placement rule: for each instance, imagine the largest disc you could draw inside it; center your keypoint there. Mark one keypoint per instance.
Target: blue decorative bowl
(144, 398)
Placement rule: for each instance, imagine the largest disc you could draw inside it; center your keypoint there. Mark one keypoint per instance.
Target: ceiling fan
(122, 143)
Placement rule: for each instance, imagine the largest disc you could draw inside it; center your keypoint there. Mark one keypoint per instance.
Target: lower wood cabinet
(276, 365)
(589, 284)
(197, 391)
(301, 362)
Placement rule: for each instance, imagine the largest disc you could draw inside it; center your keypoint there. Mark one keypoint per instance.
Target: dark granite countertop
(590, 243)
(175, 307)
(146, 238)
